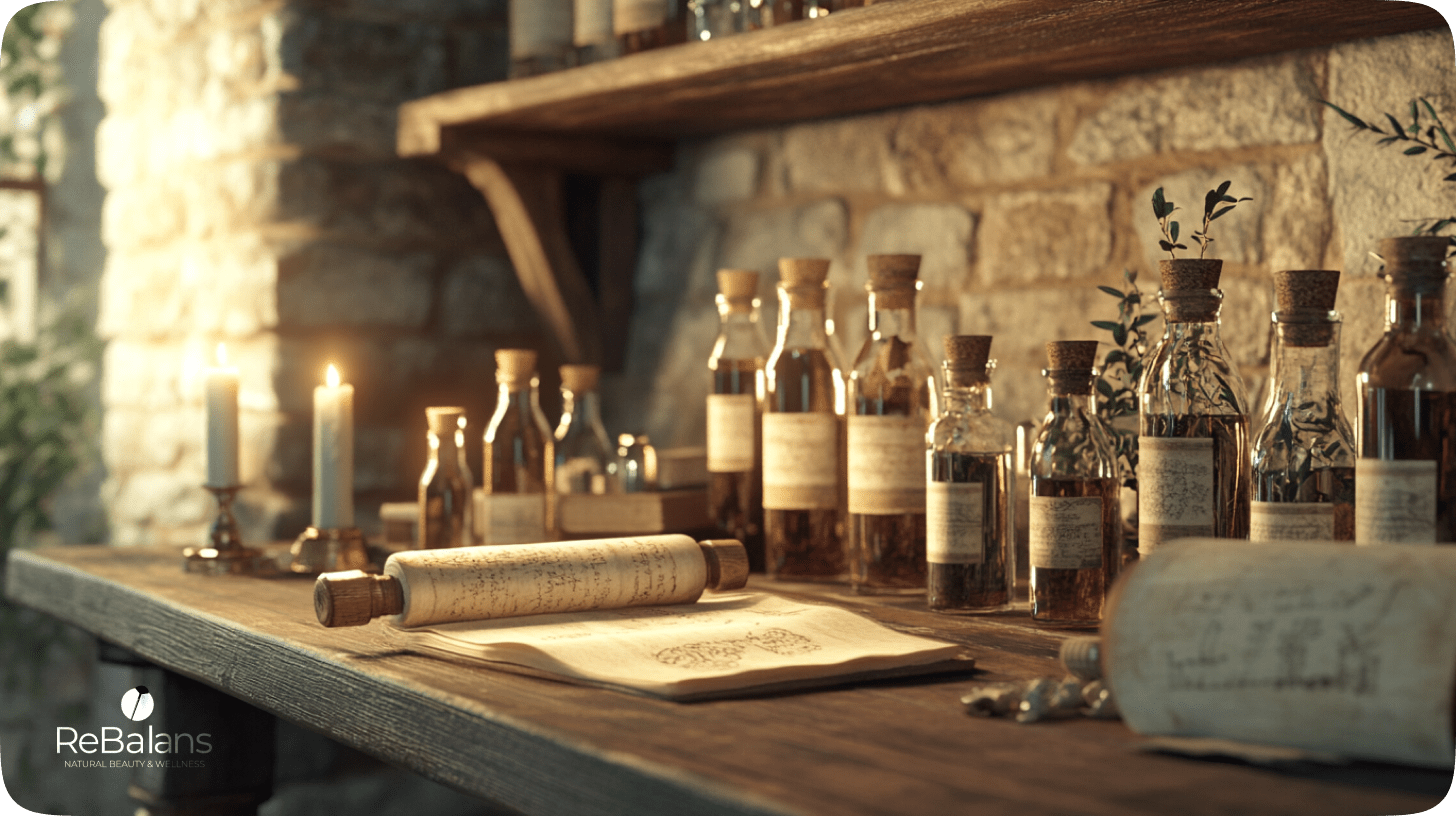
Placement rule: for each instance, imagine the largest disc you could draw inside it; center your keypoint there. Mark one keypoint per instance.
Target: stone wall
(254, 198)
(1021, 204)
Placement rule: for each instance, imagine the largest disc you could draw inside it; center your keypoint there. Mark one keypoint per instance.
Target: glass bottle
(583, 457)
(803, 432)
(1304, 454)
(444, 493)
(1405, 487)
(463, 465)
(541, 36)
(641, 25)
(591, 31)
(1075, 540)
(518, 461)
(970, 541)
(891, 402)
(735, 494)
(636, 464)
(1193, 447)
(714, 19)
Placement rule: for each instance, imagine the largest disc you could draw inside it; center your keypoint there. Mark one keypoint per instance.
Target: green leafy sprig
(1163, 210)
(1122, 368)
(1430, 139)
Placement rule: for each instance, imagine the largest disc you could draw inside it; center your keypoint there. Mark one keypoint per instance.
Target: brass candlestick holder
(227, 555)
(332, 549)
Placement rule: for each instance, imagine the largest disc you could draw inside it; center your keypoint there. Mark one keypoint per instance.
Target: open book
(729, 644)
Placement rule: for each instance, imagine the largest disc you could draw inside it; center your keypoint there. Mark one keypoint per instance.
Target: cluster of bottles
(525, 463)
(550, 35)
(874, 476)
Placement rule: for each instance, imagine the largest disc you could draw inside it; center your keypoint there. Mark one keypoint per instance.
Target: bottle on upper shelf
(584, 459)
(541, 37)
(444, 492)
(1405, 478)
(641, 25)
(714, 19)
(466, 474)
(1075, 540)
(1304, 454)
(970, 526)
(735, 497)
(1193, 447)
(891, 403)
(592, 33)
(515, 504)
(803, 430)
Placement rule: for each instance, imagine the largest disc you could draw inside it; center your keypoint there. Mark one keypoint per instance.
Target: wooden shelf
(621, 118)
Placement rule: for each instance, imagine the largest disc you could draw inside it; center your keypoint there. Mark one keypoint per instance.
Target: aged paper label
(1395, 501)
(510, 518)
(730, 433)
(1291, 521)
(1175, 490)
(800, 461)
(887, 465)
(1066, 532)
(954, 522)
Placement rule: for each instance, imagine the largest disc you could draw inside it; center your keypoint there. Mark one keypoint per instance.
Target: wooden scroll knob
(727, 562)
(354, 598)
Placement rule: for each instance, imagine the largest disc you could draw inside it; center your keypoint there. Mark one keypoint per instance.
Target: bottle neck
(1304, 374)
(444, 454)
(1060, 403)
(891, 316)
(1415, 310)
(967, 398)
(518, 397)
(801, 326)
(580, 409)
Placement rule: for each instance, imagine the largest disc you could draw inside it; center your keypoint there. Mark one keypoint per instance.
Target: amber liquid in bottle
(735, 500)
(1075, 596)
(1401, 424)
(806, 545)
(1230, 435)
(986, 585)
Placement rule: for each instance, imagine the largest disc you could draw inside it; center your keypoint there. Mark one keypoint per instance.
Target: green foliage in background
(1121, 369)
(32, 144)
(1429, 138)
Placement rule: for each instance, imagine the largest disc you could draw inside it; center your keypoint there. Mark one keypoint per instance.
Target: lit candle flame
(221, 354)
(333, 377)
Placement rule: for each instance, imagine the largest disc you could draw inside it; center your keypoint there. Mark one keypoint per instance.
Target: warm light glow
(221, 354)
(332, 378)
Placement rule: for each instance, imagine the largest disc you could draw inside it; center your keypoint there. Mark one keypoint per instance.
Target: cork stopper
(966, 357)
(1416, 263)
(893, 280)
(803, 280)
(1070, 364)
(1188, 284)
(514, 366)
(580, 378)
(738, 284)
(1306, 289)
(355, 597)
(444, 420)
(727, 563)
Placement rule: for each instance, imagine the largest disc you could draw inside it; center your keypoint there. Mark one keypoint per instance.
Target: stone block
(482, 296)
(1378, 192)
(140, 374)
(142, 215)
(404, 203)
(839, 156)
(367, 60)
(940, 233)
(1245, 327)
(160, 497)
(726, 175)
(134, 439)
(970, 144)
(324, 123)
(139, 295)
(1361, 304)
(756, 240)
(334, 286)
(1297, 224)
(1267, 101)
(1053, 235)
(1237, 235)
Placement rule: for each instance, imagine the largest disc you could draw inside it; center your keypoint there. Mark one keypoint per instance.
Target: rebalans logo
(137, 704)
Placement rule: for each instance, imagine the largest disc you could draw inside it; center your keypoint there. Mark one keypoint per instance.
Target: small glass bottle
(636, 470)
(467, 476)
(641, 25)
(1075, 540)
(1193, 447)
(803, 430)
(735, 495)
(1304, 454)
(443, 494)
(591, 31)
(518, 461)
(970, 522)
(714, 19)
(891, 403)
(1405, 478)
(583, 456)
(541, 37)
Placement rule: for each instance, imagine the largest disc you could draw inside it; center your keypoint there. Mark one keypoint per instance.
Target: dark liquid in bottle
(1074, 597)
(1406, 425)
(1231, 482)
(735, 500)
(985, 586)
(805, 545)
(1335, 485)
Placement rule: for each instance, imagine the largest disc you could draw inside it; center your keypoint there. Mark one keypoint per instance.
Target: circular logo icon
(136, 704)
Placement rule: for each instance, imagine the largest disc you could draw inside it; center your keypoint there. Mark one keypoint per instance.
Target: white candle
(333, 454)
(222, 422)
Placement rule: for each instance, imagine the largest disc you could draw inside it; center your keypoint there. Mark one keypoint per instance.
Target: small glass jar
(444, 492)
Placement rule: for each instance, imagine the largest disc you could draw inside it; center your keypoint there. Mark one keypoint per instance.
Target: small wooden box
(667, 511)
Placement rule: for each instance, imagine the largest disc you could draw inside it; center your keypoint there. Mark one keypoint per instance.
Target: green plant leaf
(1216, 215)
(1414, 151)
(1119, 334)
(1349, 117)
(1106, 325)
(1104, 388)
(1111, 291)
(1144, 320)
(1173, 231)
(1396, 126)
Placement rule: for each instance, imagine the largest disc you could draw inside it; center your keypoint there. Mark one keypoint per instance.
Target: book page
(738, 640)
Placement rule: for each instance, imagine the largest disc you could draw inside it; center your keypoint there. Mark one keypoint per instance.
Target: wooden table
(553, 748)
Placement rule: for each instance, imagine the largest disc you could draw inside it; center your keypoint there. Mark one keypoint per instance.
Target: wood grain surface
(546, 747)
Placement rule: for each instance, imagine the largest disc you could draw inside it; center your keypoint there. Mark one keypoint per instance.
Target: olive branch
(1163, 210)
(1431, 139)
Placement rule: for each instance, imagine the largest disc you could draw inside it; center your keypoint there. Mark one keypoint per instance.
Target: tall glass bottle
(802, 434)
(592, 34)
(1193, 447)
(581, 452)
(1075, 525)
(444, 493)
(518, 461)
(1405, 479)
(891, 402)
(970, 520)
(468, 476)
(1304, 454)
(735, 490)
